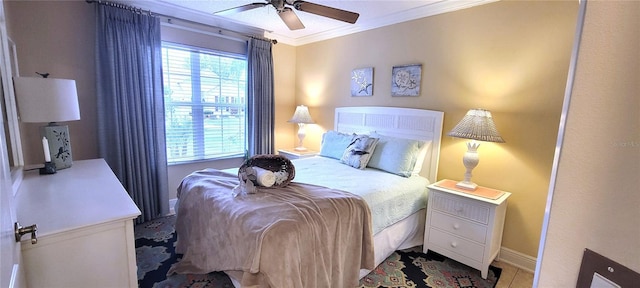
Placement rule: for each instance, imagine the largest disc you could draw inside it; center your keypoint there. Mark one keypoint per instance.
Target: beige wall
(596, 201)
(57, 37)
(284, 61)
(509, 57)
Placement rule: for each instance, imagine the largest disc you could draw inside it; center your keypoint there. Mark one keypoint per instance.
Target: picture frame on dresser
(12, 125)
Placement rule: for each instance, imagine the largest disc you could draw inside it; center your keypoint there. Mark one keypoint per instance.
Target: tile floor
(513, 277)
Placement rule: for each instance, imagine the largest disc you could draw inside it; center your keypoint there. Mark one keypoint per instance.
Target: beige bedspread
(297, 236)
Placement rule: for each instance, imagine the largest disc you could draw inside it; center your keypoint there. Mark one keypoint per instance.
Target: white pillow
(397, 155)
(420, 158)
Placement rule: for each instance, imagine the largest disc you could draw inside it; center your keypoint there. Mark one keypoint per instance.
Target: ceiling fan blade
(290, 18)
(241, 8)
(326, 11)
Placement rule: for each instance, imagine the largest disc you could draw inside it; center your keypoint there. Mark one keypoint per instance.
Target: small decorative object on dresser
(295, 154)
(464, 225)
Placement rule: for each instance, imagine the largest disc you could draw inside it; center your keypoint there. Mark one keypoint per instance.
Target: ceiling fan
(290, 18)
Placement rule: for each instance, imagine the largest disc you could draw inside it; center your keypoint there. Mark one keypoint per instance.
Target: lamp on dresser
(301, 117)
(476, 125)
(49, 100)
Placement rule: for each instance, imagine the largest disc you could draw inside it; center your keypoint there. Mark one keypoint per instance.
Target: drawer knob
(456, 226)
(454, 244)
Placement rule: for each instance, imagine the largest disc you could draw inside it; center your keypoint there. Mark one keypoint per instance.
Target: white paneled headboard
(398, 122)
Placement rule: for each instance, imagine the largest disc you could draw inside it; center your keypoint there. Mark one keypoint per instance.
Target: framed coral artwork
(405, 80)
(362, 82)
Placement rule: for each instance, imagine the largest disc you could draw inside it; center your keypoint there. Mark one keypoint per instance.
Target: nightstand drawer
(455, 244)
(460, 206)
(463, 228)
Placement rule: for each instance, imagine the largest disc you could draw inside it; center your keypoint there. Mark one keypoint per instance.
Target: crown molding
(427, 10)
(169, 10)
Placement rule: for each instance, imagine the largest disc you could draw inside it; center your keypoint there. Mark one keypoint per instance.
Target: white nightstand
(294, 154)
(465, 226)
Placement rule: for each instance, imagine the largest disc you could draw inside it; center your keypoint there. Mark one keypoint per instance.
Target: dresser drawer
(463, 228)
(459, 206)
(456, 244)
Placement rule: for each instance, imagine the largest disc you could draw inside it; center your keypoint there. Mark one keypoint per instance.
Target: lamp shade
(302, 116)
(42, 100)
(477, 124)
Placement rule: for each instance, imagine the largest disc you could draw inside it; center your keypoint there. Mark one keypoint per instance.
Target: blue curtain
(260, 114)
(130, 105)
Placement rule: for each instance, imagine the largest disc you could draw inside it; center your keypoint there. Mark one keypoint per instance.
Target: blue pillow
(334, 143)
(396, 155)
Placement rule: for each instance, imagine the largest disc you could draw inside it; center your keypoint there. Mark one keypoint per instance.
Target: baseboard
(172, 203)
(518, 259)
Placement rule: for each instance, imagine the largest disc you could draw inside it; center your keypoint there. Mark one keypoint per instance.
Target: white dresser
(463, 226)
(84, 221)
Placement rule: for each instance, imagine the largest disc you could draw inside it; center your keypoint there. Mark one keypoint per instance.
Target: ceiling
(265, 20)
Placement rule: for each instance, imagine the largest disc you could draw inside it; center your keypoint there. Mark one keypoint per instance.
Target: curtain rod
(218, 31)
(170, 18)
(122, 6)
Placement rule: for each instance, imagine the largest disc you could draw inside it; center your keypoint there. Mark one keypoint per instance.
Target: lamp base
(49, 168)
(467, 185)
(301, 135)
(59, 144)
(470, 161)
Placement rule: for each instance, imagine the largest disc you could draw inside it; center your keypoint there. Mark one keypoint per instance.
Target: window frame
(198, 108)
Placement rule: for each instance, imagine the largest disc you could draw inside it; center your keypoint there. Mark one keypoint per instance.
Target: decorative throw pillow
(359, 151)
(334, 143)
(396, 155)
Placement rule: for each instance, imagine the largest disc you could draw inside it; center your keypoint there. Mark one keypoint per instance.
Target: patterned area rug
(155, 253)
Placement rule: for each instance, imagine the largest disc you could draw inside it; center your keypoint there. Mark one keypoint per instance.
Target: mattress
(390, 197)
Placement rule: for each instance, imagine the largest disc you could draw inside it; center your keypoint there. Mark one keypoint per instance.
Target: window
(205, 100)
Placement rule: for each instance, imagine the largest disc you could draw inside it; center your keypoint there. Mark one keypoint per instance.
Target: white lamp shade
(43, 100)
(302, 116)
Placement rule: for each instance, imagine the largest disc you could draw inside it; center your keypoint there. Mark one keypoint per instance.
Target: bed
(393, 218)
